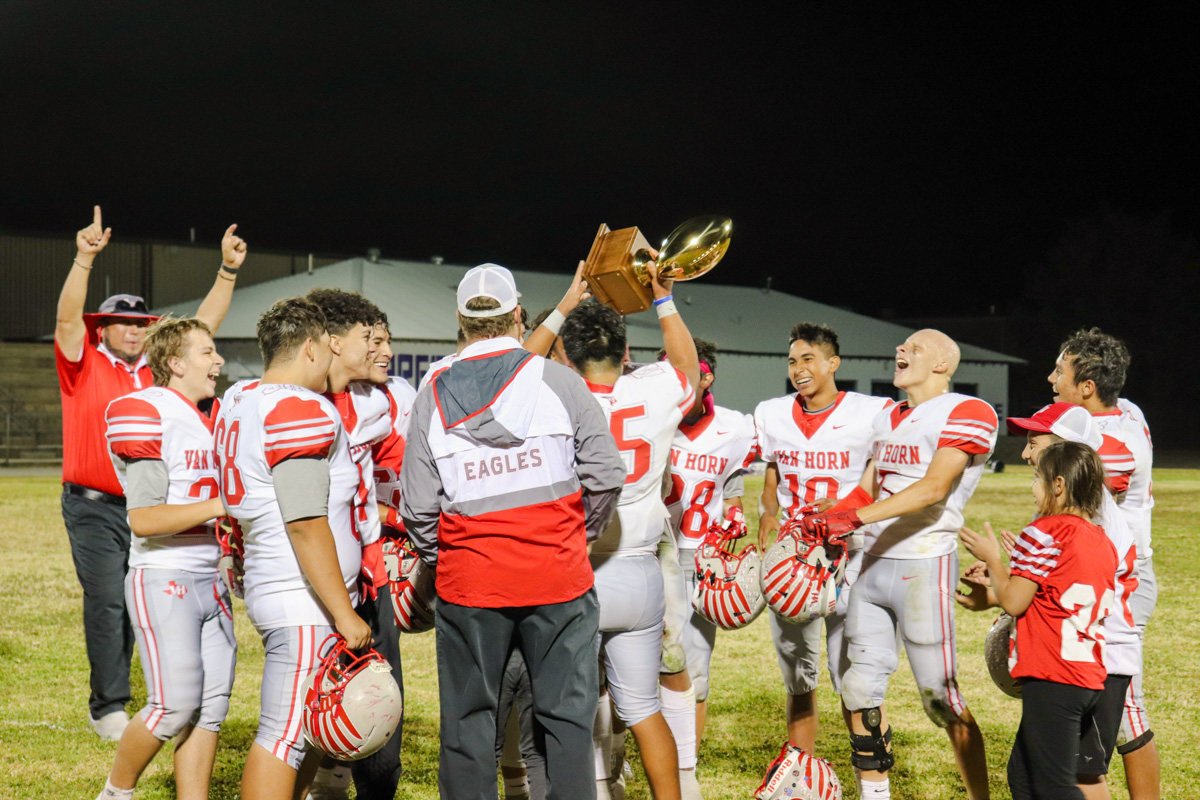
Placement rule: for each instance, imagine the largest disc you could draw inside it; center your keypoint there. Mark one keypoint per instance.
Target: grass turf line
(47, 749)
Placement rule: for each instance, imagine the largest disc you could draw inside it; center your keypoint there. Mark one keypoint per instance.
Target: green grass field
(48, 751)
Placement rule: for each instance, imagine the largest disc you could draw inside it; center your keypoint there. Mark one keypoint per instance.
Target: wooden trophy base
(609, 270)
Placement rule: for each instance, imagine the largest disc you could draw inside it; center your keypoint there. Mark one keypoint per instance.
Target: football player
(928, 457)
(1090, 372)
(291, 486)
(161, 445)
(816, 443)
(644, 409)
(710, 450)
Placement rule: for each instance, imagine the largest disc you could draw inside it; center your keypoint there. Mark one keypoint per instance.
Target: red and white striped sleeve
(1035, 554)
(971, 427)
(1119, 463)
(297, 428)
(689, 393)
(134, 429)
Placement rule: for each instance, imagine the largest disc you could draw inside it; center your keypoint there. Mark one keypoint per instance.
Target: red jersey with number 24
(1060, 637)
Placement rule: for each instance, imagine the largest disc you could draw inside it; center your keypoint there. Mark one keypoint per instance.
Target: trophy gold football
(616, 271)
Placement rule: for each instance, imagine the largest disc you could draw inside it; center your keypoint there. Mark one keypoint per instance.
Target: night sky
(875, 158)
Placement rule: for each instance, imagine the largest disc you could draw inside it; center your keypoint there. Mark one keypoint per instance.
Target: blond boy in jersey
(928, 458)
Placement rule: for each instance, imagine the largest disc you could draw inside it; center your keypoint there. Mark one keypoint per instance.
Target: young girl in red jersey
(1060, 588)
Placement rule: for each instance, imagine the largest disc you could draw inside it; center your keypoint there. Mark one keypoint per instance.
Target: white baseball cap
(1065, 420)
(487, 280)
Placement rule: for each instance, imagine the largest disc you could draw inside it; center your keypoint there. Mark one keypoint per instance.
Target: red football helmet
(410, 583)
(352, 704)
(230, 566)
(801, 574)
(796, 775)
(728, 590)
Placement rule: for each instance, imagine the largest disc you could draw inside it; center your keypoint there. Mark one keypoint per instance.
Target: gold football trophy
(616, 271)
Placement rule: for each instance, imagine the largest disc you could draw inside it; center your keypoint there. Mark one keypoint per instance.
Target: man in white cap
(509, 470)
(99, 358)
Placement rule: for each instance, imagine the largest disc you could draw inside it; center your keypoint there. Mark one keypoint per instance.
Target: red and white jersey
(436, 368)
(1123, 643)
(1060, 637)
(906, 439)
(366, 415)
(643, 409)
(1128, 456)
(389, 453)
(257, 429)
(162, 424)
(818, 455)
(705, 459)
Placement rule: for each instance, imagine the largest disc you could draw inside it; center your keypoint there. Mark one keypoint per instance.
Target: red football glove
(832, 526)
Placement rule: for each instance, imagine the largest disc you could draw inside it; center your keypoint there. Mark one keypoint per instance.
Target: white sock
(602, 739)
(689, 787)
(113, 793)
(679, 710)
(516, 787)
(872, 790)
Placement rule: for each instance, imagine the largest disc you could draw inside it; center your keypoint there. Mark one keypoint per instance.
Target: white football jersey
(1123, 643)
(162, 424)
(366, 415)
(818, 455)
(906, 439)
(705, 459)
(644, 409)
(256, 430)
(389, 453)
(1128, 456)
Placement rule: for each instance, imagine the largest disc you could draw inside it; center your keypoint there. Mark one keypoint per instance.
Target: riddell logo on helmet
(175, 589)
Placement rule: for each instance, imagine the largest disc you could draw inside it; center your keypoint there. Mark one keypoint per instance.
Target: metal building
(750, 327)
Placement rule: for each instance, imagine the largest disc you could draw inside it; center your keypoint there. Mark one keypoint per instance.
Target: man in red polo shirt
(99, 358)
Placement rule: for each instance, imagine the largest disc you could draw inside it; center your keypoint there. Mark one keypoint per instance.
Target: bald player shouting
(929, 453)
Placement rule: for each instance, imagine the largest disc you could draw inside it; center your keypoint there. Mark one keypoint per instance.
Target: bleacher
(30, 406)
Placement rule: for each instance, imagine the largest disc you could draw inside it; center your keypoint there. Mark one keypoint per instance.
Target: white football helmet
(728, 589)
(998, 649)
(801, 574)
(796, 775)
(352, 705)
(411, 585)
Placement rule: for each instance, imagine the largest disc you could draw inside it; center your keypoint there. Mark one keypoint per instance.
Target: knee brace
(875, 743)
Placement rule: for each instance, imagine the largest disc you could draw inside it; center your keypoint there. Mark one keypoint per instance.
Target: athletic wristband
(665, 307)
(662, 300)
(230, 270)
(554, 321)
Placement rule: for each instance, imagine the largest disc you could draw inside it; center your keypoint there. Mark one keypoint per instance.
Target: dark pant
(1099, 739)
(1043, 761)
(558, 642)
(99, 535)
(377, 776)
(515, 690)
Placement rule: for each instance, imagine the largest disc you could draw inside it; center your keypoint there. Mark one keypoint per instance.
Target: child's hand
(982, 546)
(1008, 540)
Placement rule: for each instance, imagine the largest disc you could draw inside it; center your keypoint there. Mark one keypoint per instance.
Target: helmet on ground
(801, 574)
(728, 590)
(997, 651)
(796, 775)
(352, 704)
(411, 585)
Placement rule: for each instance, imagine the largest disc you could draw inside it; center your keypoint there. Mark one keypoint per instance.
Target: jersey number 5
(636, 445)
(231, 479)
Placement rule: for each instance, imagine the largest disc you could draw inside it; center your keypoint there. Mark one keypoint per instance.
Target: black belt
(94, 494)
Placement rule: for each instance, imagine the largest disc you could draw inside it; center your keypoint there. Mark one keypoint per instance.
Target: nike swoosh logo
(835, 427)
(907, 577)
(722, 433)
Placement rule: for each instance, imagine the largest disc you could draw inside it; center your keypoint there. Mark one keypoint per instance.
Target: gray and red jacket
(509, 470)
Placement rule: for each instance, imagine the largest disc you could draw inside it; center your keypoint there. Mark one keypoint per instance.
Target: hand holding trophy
(616, 267)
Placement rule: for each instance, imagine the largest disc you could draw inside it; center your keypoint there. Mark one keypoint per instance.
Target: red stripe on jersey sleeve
(689, 394)
(971, 427)
(1119, 463)
(297, 428)
(1035, 555)
(134, 429)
